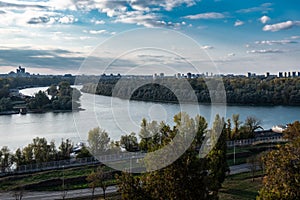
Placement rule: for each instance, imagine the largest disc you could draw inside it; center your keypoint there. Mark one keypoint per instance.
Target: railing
(36, 167)
(258, 140)
(116, 157)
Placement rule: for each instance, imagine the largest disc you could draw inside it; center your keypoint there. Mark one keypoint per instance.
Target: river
(118, 117)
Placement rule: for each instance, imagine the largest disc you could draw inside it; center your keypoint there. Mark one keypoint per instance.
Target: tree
(228, 130)
(98, 141)
(252, 124)
(129, 142)
(253, 164)
(98, 178)
(40, 101)
(65, 149)
(292, 131)
(6, 159)
(130, 187)
(218, 166)
(19, 158)
(52, 91)
(237, 123)
(5, 104)
(187, 177)
(282, 167)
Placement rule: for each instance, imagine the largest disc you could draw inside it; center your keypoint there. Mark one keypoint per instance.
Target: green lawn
(241, 187)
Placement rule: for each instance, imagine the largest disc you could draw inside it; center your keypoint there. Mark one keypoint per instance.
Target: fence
(257, 140)
(36, 167)
(116, 157)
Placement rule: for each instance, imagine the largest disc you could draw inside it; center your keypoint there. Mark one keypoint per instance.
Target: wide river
(118, 117)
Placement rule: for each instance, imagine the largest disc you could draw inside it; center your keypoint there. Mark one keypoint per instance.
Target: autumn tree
(189, 176)
(282, 167)
(98, 178)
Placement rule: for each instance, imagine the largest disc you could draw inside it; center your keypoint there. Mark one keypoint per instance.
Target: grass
(11, 182)
(241, 187)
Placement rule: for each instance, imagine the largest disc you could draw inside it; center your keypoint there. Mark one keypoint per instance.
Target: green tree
(185, 178)
(282, 168)
(228, 130)
(129, 142)
(5, 104)
(98, 178)
(218, 166)
(237, 123)
(98, 141)
(130, 187)
(65, 149)
(40, 101)
(6, 159)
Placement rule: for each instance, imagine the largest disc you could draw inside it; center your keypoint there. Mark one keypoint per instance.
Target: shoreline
(12, 112)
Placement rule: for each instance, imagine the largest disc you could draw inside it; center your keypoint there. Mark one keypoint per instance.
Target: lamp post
(234, 152)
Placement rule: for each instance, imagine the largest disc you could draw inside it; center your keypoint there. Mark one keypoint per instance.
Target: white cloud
(209, 15)
(98, 21)
(262, 51)
(271, 42)
(262, 8)
(281, 26)
(238, 23)
(295, 37)
(207, 47)
(264, 19)
(96, 32)
(68, 19)
(231, 54)
(61, 4)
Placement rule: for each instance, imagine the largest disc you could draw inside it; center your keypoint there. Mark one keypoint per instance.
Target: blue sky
(55, 36)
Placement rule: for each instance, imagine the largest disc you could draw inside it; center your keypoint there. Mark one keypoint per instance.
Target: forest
(239, 90)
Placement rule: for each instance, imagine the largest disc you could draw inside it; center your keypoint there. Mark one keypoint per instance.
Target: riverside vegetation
(189, 177)
(62, 97)
(239, 90)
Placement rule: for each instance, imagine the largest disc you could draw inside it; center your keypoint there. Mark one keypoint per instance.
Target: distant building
(189, 75)
(267, 74)
(178, 75)
(293, 74)
(280, 74)
(20, 70)
(251, 74)
(299, 74)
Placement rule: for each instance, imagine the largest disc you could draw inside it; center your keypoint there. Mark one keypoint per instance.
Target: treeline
(57, 97)
(196, 174)
(239, 90)
(191, 176)
(63, 97)
(20, 82)
(282, 168)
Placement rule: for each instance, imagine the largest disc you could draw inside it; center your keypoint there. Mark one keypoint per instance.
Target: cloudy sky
(55, 36)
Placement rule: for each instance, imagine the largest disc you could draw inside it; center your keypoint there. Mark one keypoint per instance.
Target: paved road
(86, 192)
(56, 195)
(237, 169)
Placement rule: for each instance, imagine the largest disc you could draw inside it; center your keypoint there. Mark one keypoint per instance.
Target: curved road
(236, 169)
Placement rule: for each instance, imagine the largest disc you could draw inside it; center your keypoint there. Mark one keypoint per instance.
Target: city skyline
(54, 37)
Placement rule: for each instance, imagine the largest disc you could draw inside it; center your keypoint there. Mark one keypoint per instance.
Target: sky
(153, 36)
